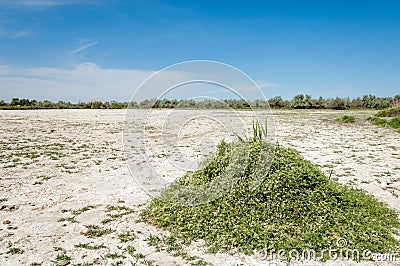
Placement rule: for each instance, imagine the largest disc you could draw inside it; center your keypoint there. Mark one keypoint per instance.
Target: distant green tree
(47, 104)
(336, 103)
(96, 105)
(14, 102)
(276, 102)
(308, 102)
(298, 101)
(396, 101)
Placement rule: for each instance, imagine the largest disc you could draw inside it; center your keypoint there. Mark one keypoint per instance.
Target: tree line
(26, 104)
(299, 101)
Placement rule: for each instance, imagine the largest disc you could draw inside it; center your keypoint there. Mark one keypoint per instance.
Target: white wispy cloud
(83, 82)
(34, 3)
(87, 81)
(7, 31)
(19, 34)
(83, 47)
(43, 4)
(266, 84)
(10, 34)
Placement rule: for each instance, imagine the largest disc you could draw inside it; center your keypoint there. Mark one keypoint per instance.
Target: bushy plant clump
(295, 207)
(392, 112)
(346, 119)
(394, 122)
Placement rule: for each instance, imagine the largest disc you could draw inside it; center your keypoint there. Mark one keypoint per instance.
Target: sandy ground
(67, 195)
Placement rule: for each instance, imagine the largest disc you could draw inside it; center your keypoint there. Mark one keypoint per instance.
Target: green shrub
(295, 207)
(346, 119)
(394, 122)
(377, 121)
(392, 112)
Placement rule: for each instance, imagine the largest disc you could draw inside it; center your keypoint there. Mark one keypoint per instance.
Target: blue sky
(82, 50)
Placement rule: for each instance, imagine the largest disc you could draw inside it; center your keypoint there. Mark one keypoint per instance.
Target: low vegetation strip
(295, 207)
(392, 112)
(299, 101)
(384, 122)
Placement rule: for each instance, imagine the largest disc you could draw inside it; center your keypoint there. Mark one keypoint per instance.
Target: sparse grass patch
(3, 200)
(173, 244)
(90, 247)
(62, 259)
(97, 231)
(80, 211)
(153, 240)
(107, 220)
(68, 219)
(119, 215)
(149, 262)
(199, 262)
(45, 178)
(14, 250)
(58, 249)
(117, 212)
(393, 192)
(110, 208)
(139, 256)
(126, 237)
(114, 256)
(130, 250)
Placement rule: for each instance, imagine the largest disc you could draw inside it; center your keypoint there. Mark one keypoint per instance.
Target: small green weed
(107, 220)
(126, 237)
(61, 259)
(199, 262)
(153, 240)
(97, 231)
(68, 219)
(82, 210)
(14, 250)
(79, 211)
(139, 256)
(114, 256)
(172, 243)
(58, 249)
(90, 247)
(130, 250)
